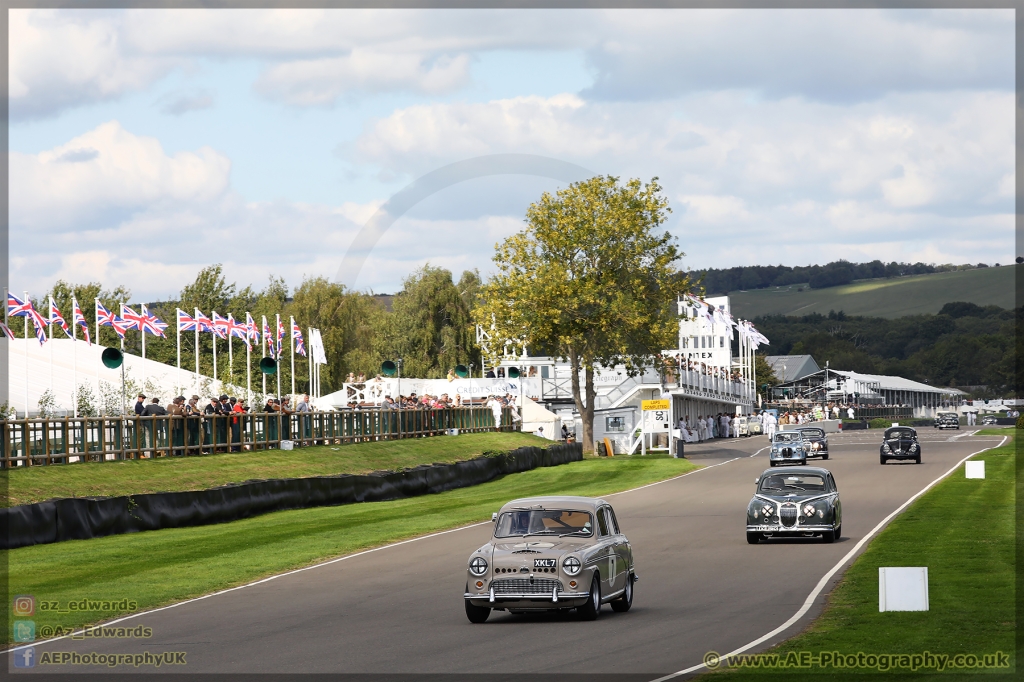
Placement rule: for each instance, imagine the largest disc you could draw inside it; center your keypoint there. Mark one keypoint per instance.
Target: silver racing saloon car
(551, 553)
(795, 502)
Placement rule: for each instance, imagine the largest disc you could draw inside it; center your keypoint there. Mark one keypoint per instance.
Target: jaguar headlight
(478, 565)
(767, 510)
(815, 446)
(571, 565)
(808, 510)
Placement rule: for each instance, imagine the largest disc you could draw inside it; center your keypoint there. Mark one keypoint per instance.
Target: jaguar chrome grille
(787, 515)
(527, 551)
(539, 586)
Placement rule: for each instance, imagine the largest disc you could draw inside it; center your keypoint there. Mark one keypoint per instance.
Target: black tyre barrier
(85, 518)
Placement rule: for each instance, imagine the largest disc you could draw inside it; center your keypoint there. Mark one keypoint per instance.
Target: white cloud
(108, 169)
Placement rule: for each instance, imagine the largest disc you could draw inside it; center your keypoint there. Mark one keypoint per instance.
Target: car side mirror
(757, 480)
(494, 517)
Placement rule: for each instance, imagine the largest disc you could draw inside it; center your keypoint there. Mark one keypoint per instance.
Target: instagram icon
(24, 605)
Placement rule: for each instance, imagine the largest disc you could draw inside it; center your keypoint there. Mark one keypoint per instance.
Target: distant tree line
(965, 345)
(722, 281)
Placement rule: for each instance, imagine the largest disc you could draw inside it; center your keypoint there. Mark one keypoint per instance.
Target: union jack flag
(205, 323)
(186, 323)
(58, 319)
(18, 308)
(250, 329)
(132, 319)
(300, 346)
(151, 323)
(280, 337)
(267, 338)
(6, 331)
(108, 319)
(220, 325)
(238, 329)
(79, 319)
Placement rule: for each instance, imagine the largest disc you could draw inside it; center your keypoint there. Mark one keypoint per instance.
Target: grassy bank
(165, 566)
(170, 474)
(963, 531)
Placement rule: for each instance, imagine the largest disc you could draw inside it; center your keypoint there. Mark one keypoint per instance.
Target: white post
(213, 337)
(291, 334)
(178, 337)
(50, 334)
(196, 311)
(95, 312)
(26, 358)
(263, 353)
(74, 361)
(309, 357)
(248, 359)
(231, 356)
(277, 333)
(142, 333)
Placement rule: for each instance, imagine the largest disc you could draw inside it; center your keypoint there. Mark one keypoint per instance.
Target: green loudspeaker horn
(388, 368)
(112, 358)
(268, 365)
(513, 372)
(462, 371)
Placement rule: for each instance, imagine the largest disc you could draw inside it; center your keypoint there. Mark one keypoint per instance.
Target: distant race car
(947, 420)
(551, 553)
(817, 440)
(788, 447)
(989, 420)
(797, 502)
(900, 442)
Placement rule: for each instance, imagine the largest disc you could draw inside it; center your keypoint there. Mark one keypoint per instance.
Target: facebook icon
(25, 658)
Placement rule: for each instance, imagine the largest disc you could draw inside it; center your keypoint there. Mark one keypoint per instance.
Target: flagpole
(213, 337)
(277, 333)
(309, 359)
(50, 332)
(263, 353)
(231, 354)
(26, 358)
(96, 314)
(74, 358)
(196, 310)
(248, 358)
(142, 333)
(178, 337)
(291, 328)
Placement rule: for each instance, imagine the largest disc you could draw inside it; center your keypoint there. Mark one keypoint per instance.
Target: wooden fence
(69, 440)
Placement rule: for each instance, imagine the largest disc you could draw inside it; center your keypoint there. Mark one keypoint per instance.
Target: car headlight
(808, 510)
(767, 510)
(478, 565)
(886, 448)
(571, 565)
(815, 446)
(913, 448)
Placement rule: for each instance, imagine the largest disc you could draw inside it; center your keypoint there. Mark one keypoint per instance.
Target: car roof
(555, 502)
(797, 470)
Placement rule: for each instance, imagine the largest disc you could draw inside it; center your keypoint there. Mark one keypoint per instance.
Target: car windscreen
(792, 483)
(900, 433)
(813, 433)
(788, 437)
(544, 522)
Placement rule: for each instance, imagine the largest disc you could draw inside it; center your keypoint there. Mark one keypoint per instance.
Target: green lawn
(894, 297)
(169, 474)
(963, 531)
(165, 566)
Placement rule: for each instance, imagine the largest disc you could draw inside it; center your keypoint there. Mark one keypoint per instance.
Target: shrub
(1020, 422)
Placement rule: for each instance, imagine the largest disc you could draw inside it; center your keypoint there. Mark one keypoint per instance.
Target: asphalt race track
(702, 587)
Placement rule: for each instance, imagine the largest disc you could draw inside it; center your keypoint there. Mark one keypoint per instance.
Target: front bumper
(775, 529)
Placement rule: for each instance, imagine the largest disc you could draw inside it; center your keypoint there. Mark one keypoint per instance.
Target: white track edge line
(828, 576)
(318, 565)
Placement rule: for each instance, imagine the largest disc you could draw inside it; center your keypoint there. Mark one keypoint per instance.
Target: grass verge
(165, 566)
(26, 485)
(963, 531)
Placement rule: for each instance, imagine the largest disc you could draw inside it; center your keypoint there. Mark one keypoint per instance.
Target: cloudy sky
(146, 144)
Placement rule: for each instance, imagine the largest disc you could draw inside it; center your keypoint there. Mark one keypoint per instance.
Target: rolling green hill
(894, 297)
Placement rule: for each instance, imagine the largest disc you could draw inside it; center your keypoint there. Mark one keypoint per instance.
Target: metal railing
(69, 440)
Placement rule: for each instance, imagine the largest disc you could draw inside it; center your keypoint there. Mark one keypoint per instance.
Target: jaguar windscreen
(813, 433)
(792, 482)
(788, 437)
(544, 522)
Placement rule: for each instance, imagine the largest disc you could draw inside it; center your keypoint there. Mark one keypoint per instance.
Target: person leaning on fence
(154, 409)
(236, 424)
(192, 419)
(176, 412)
(270, 431)
(286, 418)
(209, 413)
(140, 405)
(305, 419)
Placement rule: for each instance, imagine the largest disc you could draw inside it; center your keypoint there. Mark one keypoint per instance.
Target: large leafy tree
(591, 278)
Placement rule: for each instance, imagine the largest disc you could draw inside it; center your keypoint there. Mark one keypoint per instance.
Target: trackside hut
(873, 389)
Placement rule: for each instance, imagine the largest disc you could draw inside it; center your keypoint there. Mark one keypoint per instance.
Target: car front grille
(526, 551)
(540, 586)
(787, 515)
